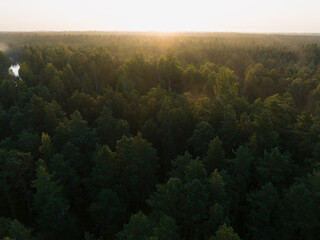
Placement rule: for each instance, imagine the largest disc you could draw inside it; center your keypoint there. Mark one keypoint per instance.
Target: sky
(287, 16)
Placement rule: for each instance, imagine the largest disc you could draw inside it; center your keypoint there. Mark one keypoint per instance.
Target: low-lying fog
(14, 69)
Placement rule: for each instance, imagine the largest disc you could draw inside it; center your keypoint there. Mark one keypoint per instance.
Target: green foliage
(137, 160)
(258, 82)
(169, 72)
(242, 168)
(217, 217)
(264, 136)
(139, 228)
(166, 229)
(110, 129)
(195, 204)
(76, 141)
(101, 69)
(4, 227)
(108, 211)
(261, 210)
(16, 169)
(225, 233)
(202, 135)
(275, 167)
(195, 170)
(4, 62)
(168, 198)
(28, 141)
(216, 188)
(8, 93)
(215, 155)
(69, 79)
(298, 218)
(226, 87)
(84, 103)
(220, 130)
(53, 210)
(179, 165)
(46, 149)
(18, 231)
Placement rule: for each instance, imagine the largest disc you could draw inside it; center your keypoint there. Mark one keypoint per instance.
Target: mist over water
(14, 69)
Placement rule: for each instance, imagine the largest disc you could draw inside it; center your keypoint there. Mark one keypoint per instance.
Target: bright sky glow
(161, 15)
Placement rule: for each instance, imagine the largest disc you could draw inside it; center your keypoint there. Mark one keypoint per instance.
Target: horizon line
(153, 31)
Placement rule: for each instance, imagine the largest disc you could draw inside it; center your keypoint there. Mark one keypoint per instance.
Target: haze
(166, 15)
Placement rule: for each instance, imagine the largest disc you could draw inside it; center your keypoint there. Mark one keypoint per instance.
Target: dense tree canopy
(144, 136)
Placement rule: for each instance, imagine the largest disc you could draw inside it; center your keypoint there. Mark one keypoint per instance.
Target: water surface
(14, 69)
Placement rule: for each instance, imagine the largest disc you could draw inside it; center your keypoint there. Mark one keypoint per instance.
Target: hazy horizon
(160, 32)
(246, 16)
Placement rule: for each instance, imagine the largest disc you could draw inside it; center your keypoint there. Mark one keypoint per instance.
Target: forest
(153, 136)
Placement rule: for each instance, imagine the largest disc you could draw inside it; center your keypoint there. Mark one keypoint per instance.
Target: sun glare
(165, 15)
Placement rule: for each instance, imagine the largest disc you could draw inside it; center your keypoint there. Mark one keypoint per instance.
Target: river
(14, 69)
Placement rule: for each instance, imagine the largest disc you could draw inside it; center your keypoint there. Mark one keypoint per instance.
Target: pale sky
(162, 15)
